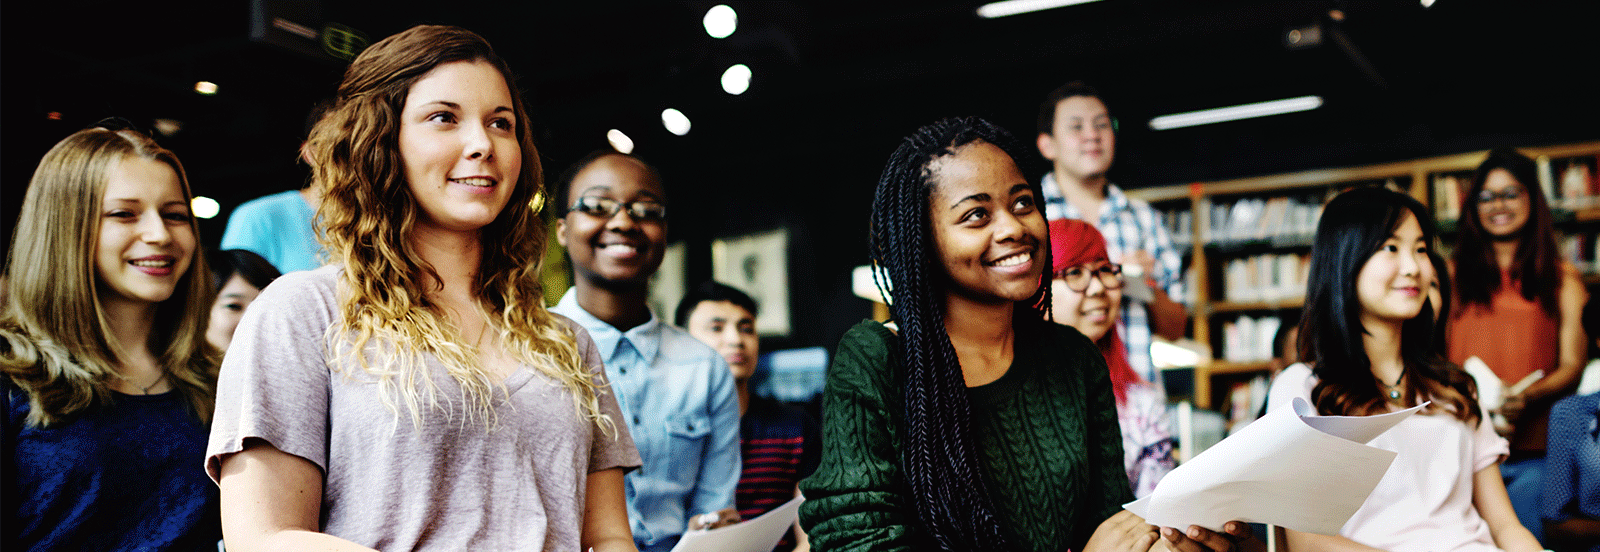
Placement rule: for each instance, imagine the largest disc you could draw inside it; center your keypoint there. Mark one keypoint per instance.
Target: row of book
(1582, 249)
(1249, 338)
(1570, 183)
(1283, 220)
(1273, 277)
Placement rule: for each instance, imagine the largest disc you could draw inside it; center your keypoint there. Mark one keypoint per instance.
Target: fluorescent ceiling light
(205, 88)
(1014, 7)
(1246, 111)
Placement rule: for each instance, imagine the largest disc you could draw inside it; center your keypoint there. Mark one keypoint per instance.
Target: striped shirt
(1128, 225)
(781, 445)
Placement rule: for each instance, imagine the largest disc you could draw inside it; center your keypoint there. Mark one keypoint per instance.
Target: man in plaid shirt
(1077, 135)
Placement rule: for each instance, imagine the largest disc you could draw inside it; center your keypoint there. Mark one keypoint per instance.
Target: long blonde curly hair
(368, 213)
(54, 332)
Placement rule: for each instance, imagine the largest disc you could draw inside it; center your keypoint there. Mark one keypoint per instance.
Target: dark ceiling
(836, 85)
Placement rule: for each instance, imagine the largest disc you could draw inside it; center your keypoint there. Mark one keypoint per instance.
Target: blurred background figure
(1520, 309)
(1570, 507)
(781, 444)
(1079, 136)
(239, 276)
(108, 384)
(279, 226)
(1086, 292)
(677, 395)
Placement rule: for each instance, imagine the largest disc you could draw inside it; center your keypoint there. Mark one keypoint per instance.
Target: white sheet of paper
(1290, 468)
(752, 535)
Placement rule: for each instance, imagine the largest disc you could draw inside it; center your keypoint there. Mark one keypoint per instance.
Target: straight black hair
(255, 269)
(1353, 227)
(1536, 264)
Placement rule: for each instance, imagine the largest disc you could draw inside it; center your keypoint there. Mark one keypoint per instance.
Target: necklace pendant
(1394, 393)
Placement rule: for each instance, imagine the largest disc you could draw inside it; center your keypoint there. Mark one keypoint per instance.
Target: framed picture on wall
(669, 283)
(758, 264)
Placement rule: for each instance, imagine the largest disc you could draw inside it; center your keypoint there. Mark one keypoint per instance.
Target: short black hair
(1047, 109)
(255, 269)
(712, 290)
(561, 190)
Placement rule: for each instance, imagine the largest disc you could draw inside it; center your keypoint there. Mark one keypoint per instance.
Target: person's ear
(1047, 145)
(561, 231)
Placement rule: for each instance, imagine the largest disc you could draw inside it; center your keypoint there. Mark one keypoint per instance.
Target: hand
(1122, 532)
(1143, 259)
(1512, 407)
(1200, 539)
(719, 518)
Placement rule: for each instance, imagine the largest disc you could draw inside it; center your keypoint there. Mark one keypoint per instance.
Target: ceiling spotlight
(204, 207)
(1427, 3)
(675, 121)
(1234, 113)
(205, 88)
(736, 79)
(1014, 7)
(619, 141)
(168, 127)
(720, 21)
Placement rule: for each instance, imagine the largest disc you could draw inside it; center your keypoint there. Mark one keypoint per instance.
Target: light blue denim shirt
(678, 397)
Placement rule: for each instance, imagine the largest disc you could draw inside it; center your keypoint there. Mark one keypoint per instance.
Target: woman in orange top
(1518, 309)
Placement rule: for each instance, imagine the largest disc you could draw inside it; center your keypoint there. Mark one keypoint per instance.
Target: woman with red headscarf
(1087, 295)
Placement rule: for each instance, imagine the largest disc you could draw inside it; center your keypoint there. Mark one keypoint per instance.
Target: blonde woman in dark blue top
(108, 380)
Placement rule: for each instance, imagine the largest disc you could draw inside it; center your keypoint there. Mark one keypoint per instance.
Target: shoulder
(679, 347)
(869, 336)
(301, 292)
(1575, 406)
(269, 202)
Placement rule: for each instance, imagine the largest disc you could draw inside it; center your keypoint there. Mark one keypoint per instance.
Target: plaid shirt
(1129, 225)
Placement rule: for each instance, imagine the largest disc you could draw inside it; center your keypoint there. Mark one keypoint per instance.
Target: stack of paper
(756, 535)
(1291, 468)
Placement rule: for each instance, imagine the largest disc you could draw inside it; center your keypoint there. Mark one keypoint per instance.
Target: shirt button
(636, 420)
(623, 370)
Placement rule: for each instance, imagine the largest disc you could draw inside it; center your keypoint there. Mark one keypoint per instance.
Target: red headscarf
(1072, 243)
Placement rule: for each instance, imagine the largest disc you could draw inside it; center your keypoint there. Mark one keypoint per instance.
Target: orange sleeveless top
(1515, 337)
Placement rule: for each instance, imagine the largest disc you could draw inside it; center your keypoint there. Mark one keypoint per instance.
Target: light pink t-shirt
(452, 484)
(1424, 502)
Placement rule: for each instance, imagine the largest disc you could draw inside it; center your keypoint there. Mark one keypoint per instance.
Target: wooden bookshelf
(1206, 256)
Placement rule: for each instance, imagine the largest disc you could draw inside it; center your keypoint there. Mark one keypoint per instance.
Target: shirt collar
(1052, 195)
(646, 337)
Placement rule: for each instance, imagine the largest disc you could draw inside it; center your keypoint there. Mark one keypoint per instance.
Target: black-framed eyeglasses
(606, 207)
(1510, 194)
(1077, 277)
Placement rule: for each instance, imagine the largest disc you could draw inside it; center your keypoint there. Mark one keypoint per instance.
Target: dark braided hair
(940, 459)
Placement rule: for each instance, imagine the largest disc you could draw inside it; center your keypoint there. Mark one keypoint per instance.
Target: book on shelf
(1448, 191)
(1272, 277)
(1575, 180)
(1282, 220)
(1249, 338)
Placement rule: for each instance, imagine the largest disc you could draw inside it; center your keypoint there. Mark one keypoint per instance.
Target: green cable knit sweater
(1046, 431)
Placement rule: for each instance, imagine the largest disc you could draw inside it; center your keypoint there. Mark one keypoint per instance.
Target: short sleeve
(1488, 447)
(607, 450)
(274, 381)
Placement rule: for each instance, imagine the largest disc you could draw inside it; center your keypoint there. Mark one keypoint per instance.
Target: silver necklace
(1394, 390)
(146, 389)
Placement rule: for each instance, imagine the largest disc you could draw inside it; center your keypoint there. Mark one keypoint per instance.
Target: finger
(1240, 531)
(1145, 542)
(1198, 539)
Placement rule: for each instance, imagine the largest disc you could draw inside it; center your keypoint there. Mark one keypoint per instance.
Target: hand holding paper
(1290, 468)
(757, 535)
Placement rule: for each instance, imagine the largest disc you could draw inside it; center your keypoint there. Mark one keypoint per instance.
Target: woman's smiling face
(988, 227)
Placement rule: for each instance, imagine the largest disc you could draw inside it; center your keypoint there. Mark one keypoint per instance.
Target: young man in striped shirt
(780, 442)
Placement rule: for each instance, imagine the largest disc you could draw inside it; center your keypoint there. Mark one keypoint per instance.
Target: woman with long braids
(107, 379)
(970, 423)
(415, 394)
(1368, 344)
